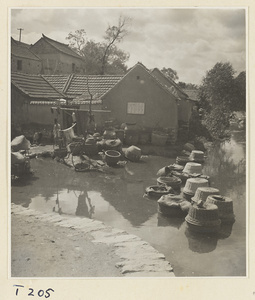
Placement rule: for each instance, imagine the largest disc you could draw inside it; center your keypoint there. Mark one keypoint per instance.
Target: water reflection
(84, 207)
(226, 165)
(201, 243)
(207, 242)
(173, 222)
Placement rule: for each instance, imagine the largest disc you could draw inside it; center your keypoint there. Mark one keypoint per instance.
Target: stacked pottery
(197, 156)
(203, 217)
(191, 186)
(192, 168)
(171, 181)
(182, 160)
(225, 206)
(203, 192)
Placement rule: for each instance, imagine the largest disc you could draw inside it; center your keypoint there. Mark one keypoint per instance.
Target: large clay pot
(112, 157)
(133, 153)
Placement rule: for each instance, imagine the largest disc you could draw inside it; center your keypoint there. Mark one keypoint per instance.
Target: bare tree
(114, 34)
(77, 40)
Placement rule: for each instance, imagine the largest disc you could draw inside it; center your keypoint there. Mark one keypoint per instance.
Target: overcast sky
(190, 41)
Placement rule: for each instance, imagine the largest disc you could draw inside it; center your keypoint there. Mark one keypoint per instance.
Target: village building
(31, 99)
(141, 97)
(23, 60)
(57, 58)
(185, 103)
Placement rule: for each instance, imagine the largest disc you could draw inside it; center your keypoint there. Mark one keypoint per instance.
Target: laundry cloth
(69, 134)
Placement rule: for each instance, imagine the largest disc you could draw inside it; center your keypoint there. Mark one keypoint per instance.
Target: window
(19, 65)
(73, 67)
(136, 108)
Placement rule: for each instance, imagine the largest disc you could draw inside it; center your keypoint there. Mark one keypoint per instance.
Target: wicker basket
(203, 192)
(191, 186)
(197, 156)
(182, 160)
(156, 191)
(192, 168)
(225, 206)
(203, 219)
(171, 181)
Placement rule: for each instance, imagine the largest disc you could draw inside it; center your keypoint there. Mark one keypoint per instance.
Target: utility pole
(20, 29)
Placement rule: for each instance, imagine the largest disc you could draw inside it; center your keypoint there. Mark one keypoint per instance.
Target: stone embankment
(136, 257)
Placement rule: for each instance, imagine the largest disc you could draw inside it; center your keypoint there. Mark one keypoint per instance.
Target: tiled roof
(98, 84)
(20, 50)
(170, 83)
(61, 47)
(35, 86)
(58, 81)
(75, 85)
(22, 43)
(193, 94)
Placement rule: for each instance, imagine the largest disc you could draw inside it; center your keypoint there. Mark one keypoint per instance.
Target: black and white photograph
(127, 138)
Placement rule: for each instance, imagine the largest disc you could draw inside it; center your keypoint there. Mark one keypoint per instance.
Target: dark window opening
(137, 77)
(73, 67)
(19, 65)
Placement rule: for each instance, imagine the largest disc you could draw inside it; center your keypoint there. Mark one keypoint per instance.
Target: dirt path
(42, 250)
(53, 245)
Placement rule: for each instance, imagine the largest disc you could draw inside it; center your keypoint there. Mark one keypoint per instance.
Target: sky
(190, 41)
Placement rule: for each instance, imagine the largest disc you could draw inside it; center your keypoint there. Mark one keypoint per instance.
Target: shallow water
(116, 198)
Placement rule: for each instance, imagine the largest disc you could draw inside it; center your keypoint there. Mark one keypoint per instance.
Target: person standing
(57, 133)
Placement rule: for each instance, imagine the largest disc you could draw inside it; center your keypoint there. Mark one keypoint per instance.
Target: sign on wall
(136, 108)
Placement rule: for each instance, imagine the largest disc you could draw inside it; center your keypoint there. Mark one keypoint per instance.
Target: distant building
(23, 60)
(57, 58)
